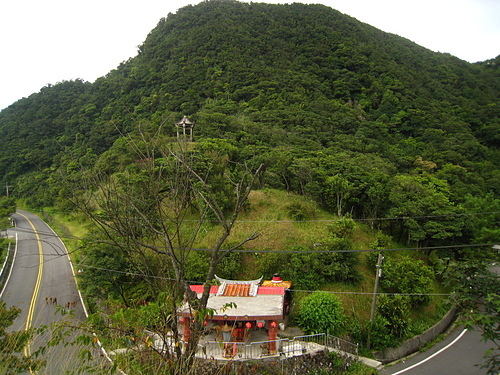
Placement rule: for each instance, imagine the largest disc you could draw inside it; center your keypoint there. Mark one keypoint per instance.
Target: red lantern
(182, 320)
(260, 324)
(273, 325)
(205, 323)
(248, 325)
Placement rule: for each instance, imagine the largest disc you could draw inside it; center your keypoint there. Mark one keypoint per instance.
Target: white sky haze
(45, 42)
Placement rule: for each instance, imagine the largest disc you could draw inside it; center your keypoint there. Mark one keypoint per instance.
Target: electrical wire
(349, 251)
(310, 251)
(359, 219)
(291, 290)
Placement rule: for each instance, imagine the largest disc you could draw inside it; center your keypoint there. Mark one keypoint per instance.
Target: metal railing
(289, 347)
(342, 345)
(260, 349)
(4, 271)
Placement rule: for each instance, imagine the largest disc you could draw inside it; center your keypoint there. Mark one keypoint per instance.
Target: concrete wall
(414, 344)
(303, 364)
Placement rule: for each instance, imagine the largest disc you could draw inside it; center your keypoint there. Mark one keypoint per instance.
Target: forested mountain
(349, 137)
(364, 122)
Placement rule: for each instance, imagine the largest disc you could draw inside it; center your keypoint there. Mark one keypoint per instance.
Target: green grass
(273, 214)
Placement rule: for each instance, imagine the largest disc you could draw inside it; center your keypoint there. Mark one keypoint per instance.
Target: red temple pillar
(186, 332)
(272, 332)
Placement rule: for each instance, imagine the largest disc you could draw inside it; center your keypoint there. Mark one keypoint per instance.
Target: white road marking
(432, 356)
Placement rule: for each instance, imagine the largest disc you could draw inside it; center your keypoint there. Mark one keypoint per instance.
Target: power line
(311, 251)
(404, 217)
(292, 290)
(351, 251)
(372, 219)
(314, 251)
(371, 293)
(361, 219)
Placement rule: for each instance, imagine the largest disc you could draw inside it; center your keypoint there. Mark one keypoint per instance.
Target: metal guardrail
(5, 262)
(4, 272)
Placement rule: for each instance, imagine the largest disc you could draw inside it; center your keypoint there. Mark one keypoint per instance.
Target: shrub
(396, 310)
(380, 336)
(298, 212)
(321, 312)
(408, 276)
(342, 228)
(309, 270)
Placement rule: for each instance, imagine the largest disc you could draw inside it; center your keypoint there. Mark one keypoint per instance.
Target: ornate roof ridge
(254, 285)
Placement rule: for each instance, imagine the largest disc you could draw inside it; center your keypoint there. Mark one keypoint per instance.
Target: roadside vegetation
(315, 136)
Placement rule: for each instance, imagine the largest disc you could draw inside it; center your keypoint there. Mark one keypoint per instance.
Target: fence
(342, 345)
(287, 347)
(4, 271)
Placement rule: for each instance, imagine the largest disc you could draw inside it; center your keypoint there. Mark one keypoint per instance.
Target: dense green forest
(369, 126)
(326, 102)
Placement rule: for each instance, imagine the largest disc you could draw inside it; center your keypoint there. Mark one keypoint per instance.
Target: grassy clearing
(275, 215)
(269, 214)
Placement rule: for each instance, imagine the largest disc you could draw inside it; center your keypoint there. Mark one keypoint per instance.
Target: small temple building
(256, 306)
(186, 126)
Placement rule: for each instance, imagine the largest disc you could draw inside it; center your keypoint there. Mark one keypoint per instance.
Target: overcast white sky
(54, 40)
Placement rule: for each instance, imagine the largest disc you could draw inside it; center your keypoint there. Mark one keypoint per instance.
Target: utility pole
(7, 189)
(378, 274)
(375, 291)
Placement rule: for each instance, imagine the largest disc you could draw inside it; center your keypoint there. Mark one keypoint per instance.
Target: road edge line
(433, 355)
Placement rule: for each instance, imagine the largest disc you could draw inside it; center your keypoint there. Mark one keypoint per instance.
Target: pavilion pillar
(272, 333)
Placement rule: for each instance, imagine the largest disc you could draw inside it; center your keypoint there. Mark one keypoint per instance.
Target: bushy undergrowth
(321, 312)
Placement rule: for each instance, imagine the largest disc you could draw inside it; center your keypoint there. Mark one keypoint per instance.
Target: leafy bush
(397, 312)
(310, 270)
(298, 212)
(342, 228)
(411, 276)
(380, 335)
(230, 266)
(321, 312)
(7, 207)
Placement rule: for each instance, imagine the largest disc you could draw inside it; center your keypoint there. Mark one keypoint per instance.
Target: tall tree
(154, 210)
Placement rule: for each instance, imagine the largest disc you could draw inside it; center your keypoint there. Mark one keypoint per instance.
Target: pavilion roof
(185, 121)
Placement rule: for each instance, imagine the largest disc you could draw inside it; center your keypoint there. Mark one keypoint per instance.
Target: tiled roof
(199, 289)
(237, 290)
(283, 284)
(271, 290)
(262, 290)
(249, 299)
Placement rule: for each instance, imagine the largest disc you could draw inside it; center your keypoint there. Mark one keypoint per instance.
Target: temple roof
(283, 284)
(252, 301)
(238, 288)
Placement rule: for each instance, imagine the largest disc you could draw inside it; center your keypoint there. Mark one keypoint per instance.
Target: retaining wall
(304, 364)
(414, 344)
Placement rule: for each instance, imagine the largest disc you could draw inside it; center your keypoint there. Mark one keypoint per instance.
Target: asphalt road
(41, 271)
(42, 284)
(459, 354)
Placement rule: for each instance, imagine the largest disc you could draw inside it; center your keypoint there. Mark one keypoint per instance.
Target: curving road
(42, 283)
(459, 354)
(42, 271)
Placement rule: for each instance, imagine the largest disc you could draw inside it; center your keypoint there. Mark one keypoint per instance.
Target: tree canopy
(368, 125)
(337, 110)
